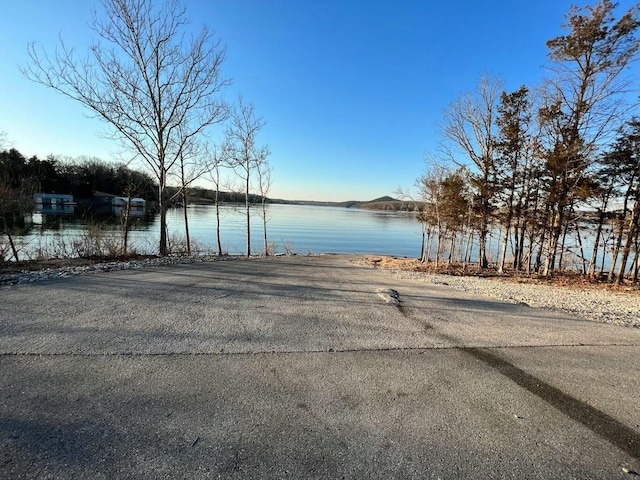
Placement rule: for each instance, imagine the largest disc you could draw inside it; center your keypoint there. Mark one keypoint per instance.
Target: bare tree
(243, 154)
(417, 206)
(430, 188)
(263, 170)
(153, 83)
(469, 125)
(215, 163)
(192, 165)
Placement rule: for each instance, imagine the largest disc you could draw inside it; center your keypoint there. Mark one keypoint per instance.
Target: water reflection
(299, 228)
(291, 228)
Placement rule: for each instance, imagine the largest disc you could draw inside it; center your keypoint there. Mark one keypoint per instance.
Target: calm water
(298, 228)
(304, 229)
(294, 228)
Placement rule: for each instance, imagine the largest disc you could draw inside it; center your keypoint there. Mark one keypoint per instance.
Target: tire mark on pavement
(608, 428)
(603, 425)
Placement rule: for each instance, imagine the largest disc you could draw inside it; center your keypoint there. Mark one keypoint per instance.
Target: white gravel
(595, 305)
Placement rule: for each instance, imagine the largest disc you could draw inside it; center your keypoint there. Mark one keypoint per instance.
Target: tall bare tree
(147, 77)
(430, 188)
(469, 127)
(216, 160)
(263, 170)
(242, 153)
(192, 165)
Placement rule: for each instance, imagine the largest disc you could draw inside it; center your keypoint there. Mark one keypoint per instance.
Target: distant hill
(388, 203)
(202, 196)
(386, 198)
(381, 203)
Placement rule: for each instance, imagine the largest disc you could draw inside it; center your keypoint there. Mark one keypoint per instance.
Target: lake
(307, 229)
(301, 229)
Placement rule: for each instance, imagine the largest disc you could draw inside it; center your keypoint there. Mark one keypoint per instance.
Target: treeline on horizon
(84, 177)
(530, 162)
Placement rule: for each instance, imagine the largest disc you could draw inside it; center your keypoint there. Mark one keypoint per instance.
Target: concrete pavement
(296, 367)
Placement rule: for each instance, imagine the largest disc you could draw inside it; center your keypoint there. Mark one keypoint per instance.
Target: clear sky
(352, 91)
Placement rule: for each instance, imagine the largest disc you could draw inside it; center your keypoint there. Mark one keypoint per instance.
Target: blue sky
(352, 91)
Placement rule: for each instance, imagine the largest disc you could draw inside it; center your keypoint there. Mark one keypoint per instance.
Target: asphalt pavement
(306, 367)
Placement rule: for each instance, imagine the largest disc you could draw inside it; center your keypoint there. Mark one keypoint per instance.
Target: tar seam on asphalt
(304, 352)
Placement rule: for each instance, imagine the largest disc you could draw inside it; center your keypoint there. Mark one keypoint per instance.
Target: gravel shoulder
(593, 305)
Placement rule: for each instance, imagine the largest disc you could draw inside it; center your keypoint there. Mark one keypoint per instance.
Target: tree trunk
(482, 246)
(467, 253)
(14, 250)
(427, 253)
(596, 244)
(519, 260)
(503, 248)
(538, 262)
(264, 226)
(438, 239)
(517, 247)
(162, 205)
(618, 244)
(635, 267)
(604, 255)
(127, 223)
(554, 238)
(530, 253)
(616, 251)
(452, 247)
(185, 203)
(563, 246)
(581, 247)
(246, 197)
(631, 233)
(552, 247)
(218, 221)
